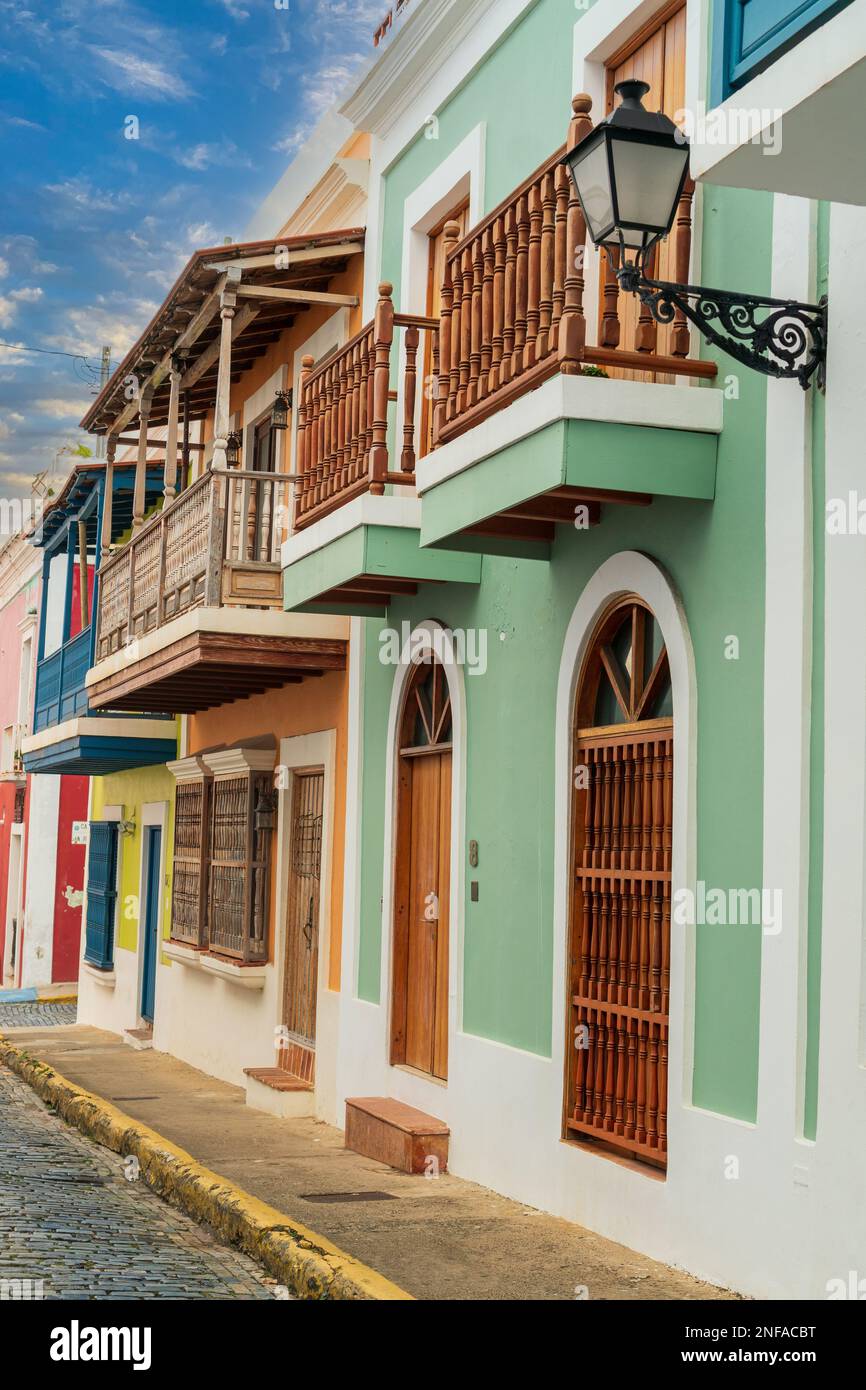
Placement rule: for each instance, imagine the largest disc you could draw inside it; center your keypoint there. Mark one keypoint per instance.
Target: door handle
(431, 908)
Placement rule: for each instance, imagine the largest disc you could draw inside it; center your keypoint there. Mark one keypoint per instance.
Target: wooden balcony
(165, 637)
(513, 317)
(342, 448)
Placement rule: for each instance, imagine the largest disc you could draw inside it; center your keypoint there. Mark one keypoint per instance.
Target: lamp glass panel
(592, 177)
(647, 184)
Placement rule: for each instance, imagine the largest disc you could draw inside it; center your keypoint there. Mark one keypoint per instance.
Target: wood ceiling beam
(350, 301)
(211, 353)
(281, 258)
(190, 334)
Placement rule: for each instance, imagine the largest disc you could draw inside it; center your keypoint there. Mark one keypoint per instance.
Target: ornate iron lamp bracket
(788, 340)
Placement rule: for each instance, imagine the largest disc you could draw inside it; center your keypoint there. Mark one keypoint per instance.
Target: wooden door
(419, 1015)
(619, 956)
(300, 985)
(656, 55)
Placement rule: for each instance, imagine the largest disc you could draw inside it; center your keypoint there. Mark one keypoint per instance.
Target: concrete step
(278, 1092)
(139, 1038)
(396, 1134)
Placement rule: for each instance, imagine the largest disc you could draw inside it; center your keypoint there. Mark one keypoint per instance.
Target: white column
(228, 300)
(787, 691)
(170, 472)
(108, 499)
(141, 461)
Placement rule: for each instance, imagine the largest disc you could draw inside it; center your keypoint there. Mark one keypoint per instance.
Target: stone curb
(309, 1265)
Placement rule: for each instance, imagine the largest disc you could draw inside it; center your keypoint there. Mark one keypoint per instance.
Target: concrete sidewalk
(436, 1239)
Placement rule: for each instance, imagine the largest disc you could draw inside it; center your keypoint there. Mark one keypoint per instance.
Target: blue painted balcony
(66, 737)
(60, 690)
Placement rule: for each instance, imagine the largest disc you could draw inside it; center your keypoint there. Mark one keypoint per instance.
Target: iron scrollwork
(779, 337)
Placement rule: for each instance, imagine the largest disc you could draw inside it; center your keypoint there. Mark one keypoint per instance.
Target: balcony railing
(342, 446)
(217, 543)
(512, 315)
(60, 689)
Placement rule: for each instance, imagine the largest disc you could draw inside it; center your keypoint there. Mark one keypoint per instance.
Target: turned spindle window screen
(189, 878)
(239, 867)
(222, 865)
(619, 957)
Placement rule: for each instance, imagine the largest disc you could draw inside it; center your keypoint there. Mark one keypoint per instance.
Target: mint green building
(607, 766)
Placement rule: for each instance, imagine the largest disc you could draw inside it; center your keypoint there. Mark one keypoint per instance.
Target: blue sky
(94, 226)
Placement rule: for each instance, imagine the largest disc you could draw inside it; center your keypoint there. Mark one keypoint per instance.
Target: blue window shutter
(754, 33)
(101, 893)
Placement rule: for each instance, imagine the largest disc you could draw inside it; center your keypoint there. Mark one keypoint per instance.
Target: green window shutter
(101, 894)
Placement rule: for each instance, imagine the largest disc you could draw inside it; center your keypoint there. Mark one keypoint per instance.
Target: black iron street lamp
(629, 173)
(280, 413)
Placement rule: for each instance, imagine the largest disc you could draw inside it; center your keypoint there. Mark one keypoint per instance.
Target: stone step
(139, 1038)
(396, 1134)
(278, 1092)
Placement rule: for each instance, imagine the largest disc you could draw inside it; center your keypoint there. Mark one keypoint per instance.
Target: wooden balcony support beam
(350, 301)
(190, 335)
(210, 356)
(281, 258)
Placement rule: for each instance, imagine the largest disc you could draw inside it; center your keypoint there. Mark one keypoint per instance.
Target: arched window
(618, 986)
(419, 1013)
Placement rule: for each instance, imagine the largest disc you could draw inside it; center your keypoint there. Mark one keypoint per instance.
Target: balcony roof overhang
(188, 321)
(78, 498)
(503, 487)
(355, 560)
(210, 657)
(89, 746)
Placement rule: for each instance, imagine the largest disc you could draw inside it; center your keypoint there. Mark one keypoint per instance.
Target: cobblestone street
(70, 1218)
(37, 1014)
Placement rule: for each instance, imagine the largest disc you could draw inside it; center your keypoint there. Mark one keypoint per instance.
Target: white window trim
(598, 34)
(460, 175)
(630, 572)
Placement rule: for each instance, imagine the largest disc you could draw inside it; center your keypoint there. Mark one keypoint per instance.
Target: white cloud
(28, 294)
(8, 310)
(205, 156)
(23, 253)
(128, 72)
(15, 355)
(62, 410)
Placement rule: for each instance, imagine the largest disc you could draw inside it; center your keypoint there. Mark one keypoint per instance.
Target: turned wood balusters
(511, 315)
(342, 445)
(512, 295)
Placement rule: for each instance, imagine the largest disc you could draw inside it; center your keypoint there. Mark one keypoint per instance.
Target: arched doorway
(619, 948)
(419, 1012)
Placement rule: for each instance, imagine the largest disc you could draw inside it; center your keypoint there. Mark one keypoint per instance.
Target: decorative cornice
(235, 762)
(418, 50)
(190, 769)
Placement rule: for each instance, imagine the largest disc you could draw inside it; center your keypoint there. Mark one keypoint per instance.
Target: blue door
(152, 848)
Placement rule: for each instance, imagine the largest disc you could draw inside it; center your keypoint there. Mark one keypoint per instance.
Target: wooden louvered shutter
(101, 894)
(190, 864)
